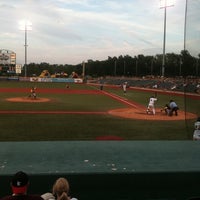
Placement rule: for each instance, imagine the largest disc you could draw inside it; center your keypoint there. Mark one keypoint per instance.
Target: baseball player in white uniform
(151, 106)
(196, 134)
(124, 86)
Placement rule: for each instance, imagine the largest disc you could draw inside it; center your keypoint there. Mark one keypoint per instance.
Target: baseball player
(124, 86)
(196, 134)
(166, 109)
(33, 93)
(151, 106)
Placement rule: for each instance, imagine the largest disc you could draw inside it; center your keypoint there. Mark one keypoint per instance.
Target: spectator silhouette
(19, 186)
(60, 191)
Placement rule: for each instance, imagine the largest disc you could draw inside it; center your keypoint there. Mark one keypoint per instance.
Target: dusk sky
(73, 31)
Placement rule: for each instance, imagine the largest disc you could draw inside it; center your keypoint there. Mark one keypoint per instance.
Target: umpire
(173, 108)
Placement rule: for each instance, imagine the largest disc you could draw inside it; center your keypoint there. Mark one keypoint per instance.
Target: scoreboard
(7, 57)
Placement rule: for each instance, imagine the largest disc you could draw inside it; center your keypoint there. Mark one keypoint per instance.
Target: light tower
(163, 5)
(25, 26)
(185, 24)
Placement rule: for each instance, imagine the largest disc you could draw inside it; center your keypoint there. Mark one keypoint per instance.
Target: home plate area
(134, 113)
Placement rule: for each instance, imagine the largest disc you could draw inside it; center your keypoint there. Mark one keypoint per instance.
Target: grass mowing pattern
(85, 127)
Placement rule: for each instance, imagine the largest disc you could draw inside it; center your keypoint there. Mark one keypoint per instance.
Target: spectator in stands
(48, 196)
(60, 191)
(155, 86)
(19, 186)
(197, 90)
(173, 108)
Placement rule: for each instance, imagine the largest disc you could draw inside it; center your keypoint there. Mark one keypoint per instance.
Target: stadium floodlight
(163, 5)
(25, 26)
(166, 3)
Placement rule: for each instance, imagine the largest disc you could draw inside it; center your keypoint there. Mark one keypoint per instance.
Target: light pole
(136, 67)
(115, 68)
(83, 69)
(152, 60)
(25, 26)
(185, 24)
(180, 66)
(164, 4)
(124, 67)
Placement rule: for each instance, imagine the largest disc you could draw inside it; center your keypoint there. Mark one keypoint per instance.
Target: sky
(73, 31)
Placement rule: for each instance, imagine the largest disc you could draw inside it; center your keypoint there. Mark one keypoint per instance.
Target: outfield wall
(56, 80)
(38, 79)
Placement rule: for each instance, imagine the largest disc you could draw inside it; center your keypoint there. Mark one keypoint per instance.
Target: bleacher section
(165, 84)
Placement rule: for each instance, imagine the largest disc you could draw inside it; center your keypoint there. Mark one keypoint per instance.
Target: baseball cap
(19, 182)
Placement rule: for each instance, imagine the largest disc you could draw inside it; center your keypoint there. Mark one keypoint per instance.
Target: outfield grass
(49, 127)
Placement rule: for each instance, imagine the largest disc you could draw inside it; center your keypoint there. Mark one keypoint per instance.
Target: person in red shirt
(19, 186)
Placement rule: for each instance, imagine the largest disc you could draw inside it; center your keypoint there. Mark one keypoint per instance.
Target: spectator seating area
(181, 85)
(118, 170)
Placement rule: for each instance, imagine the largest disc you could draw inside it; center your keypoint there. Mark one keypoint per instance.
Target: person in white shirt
(151, 105)
(196, 134)
(124, 86)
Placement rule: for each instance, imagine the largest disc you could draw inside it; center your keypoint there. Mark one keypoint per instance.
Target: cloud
(69, 31)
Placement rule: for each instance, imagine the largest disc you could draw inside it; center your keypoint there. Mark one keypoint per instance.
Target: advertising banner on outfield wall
(61, 80)
(57, 80)
(78, 80)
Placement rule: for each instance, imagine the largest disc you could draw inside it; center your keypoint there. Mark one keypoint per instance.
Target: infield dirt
(136, 112)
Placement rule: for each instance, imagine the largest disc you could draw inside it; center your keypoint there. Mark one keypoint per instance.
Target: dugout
(119, 170)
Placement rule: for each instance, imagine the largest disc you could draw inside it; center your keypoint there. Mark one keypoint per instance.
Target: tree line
(183, 64)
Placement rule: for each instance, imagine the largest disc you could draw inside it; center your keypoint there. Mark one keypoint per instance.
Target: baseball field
(84, 112)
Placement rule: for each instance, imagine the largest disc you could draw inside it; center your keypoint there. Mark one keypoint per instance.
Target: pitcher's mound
(28, 100)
